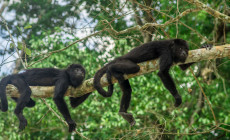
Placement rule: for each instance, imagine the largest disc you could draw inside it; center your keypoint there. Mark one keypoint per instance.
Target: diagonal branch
(211, 11)
(146, 67)
(147, 25)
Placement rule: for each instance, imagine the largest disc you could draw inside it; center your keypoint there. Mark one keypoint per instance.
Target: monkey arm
(74, 102)
(185, 66)
(60, 88)
(165, 64)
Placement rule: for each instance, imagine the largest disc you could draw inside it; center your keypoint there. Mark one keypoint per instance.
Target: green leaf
(19, 29)
(28, 51)
(20, 45)
(27, 27)
(11, 45)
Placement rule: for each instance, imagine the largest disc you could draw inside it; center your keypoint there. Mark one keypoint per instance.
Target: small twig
(203, 37)
(60, 118)
(209, 10)
(199, 106)
(56, 51)
(221, 128)
(12, 39)
(178, 133)
(43, 116)
(210, 106)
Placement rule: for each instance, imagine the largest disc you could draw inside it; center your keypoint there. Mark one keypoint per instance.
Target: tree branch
(147, 25)
(146, 67)
(209, 10)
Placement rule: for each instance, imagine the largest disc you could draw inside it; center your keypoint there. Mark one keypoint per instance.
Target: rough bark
(146, 67)
(209, 10)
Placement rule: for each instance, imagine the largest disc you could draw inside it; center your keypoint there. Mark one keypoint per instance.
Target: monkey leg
(31, 102)
(118, 69)
(125, 101)
(22, 101)
(122, 67)
(74, 102)
(60, 89)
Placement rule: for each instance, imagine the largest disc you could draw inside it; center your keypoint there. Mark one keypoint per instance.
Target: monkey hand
(72, 125)
(207, 46)
(128, 117)
(178, 100)
(22, 124)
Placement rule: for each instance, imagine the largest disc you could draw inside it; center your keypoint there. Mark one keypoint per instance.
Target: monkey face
(180, 52)
(76, 74)
(183, 54)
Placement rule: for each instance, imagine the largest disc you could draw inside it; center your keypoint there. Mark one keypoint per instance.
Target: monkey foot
(72, 125)
(22, 124)
(128, 117)
(207, 46)
(178, 101)
(3, 109)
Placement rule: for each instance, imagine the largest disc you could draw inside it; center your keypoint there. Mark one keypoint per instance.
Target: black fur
(61, 79)
(169, 52)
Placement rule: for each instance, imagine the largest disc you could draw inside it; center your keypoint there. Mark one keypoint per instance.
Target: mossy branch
(146, 67)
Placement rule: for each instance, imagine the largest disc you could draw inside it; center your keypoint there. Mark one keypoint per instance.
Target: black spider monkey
(168, 51)
(61, 79)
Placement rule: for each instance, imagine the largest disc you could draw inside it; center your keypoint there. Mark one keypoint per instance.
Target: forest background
(40, 33)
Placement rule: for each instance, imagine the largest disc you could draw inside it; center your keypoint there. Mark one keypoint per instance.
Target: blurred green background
(40, 27)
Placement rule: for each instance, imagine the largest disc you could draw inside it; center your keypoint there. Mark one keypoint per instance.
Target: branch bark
(209, 10)
(148, 25)
(146, 67)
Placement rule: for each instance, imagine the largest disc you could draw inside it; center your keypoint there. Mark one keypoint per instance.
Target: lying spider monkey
(168, 51)
(61, 79)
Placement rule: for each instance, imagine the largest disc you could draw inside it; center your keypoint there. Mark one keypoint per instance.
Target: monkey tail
(110, 87)
(3, 84)
(97, 84)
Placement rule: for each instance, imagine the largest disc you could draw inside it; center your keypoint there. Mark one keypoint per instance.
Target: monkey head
(179, 50)
(76, 74)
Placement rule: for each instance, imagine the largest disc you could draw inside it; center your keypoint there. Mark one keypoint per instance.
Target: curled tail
(3, 84)
(110, 87)
(97, 84)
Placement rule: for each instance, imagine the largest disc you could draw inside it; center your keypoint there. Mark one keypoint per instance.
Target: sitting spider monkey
(168, 51)
(61, 79)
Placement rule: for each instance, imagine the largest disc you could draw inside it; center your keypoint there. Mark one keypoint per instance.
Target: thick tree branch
(146, 67)
(211, 11)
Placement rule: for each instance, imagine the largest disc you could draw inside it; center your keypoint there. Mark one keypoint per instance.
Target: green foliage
(152, 104)
(28, 27)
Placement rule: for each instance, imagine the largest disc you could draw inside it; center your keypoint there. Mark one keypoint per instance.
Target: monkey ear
(180, 41)
(171, 44)
(73, 66)
(177, 41)
(70, 66)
